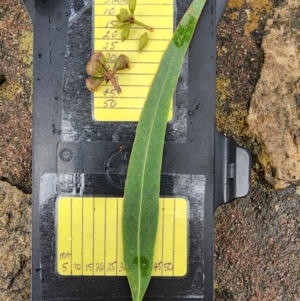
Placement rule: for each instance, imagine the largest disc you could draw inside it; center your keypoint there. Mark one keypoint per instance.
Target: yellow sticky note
(77, 236)
(135, 82)
(89, 237)
(64, 243)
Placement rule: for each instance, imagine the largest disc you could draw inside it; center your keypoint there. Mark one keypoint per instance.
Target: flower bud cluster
(126, 20)
(98, 71)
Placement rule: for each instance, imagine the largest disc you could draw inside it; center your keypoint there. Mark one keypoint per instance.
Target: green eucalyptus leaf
(141, 196)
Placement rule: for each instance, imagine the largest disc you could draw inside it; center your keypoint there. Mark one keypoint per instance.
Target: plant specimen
(141, 196)
(125, 22)
(143, 41)
(99, 72)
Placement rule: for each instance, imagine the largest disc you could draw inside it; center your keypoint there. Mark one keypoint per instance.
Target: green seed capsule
(99, 57)
(120, 25)
(132, 5)
(125, 32)
(143, 41)
(122, 62)
(123, 16)
(93, 83)
(94, 68)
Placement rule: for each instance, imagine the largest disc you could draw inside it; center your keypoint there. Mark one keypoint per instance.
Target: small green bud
(122, 62)
(93, 83)
(94, 68)
(143, 41)
(120, 25)
(132, 5)
(125, 32)
(123, 16)
(99, 57)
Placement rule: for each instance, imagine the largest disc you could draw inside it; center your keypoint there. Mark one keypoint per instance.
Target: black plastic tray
(205, 167)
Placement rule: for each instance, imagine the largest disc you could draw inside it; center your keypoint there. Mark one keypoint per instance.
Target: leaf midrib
(142, 185)
(144, 168)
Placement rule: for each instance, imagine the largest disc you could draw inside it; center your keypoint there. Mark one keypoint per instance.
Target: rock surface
(239, 61)
(15, 94)
(274, 116)
(256, 239)
(15, 243)
(257, 247)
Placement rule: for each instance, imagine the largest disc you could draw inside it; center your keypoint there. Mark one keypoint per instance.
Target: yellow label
(135, 82)
(89, 237)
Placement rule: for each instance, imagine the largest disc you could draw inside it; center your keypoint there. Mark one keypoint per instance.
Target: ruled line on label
(156, 13)
(89, 237)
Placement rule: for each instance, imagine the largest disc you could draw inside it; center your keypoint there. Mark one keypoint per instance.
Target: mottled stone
(239, 61)
(256, 238)
(15, 243)
(275, 106)
(257, 249)
(16, 42)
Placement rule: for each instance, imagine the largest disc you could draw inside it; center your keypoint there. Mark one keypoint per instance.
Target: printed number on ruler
(135, 82)
(89, 237)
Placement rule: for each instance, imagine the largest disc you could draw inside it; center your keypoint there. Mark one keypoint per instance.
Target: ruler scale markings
(108, 91)
(109, 20)
(151, 69)
(163, 236)
(117, 232)
(71, 237)
(121, 267)
(105, 239)
(101, 29)
(146, 80)
(93, 236)
(64, 247)
(122, 103)
(77, 236)
(82, 267)
(82, 236)
(88, 238)
(174, 235)
(137, 16)
(161, 10)
(111, 220)
(136, 39)
(168, 237)
(159, 14)
(118, 115)
(98, 249)
(140, 29)
(181, 229)
(119, 238)
(129, 51)
(120, 106)
(158, 244)
(135, 86)
(104, 244)
(125, 2)
(99, 239)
